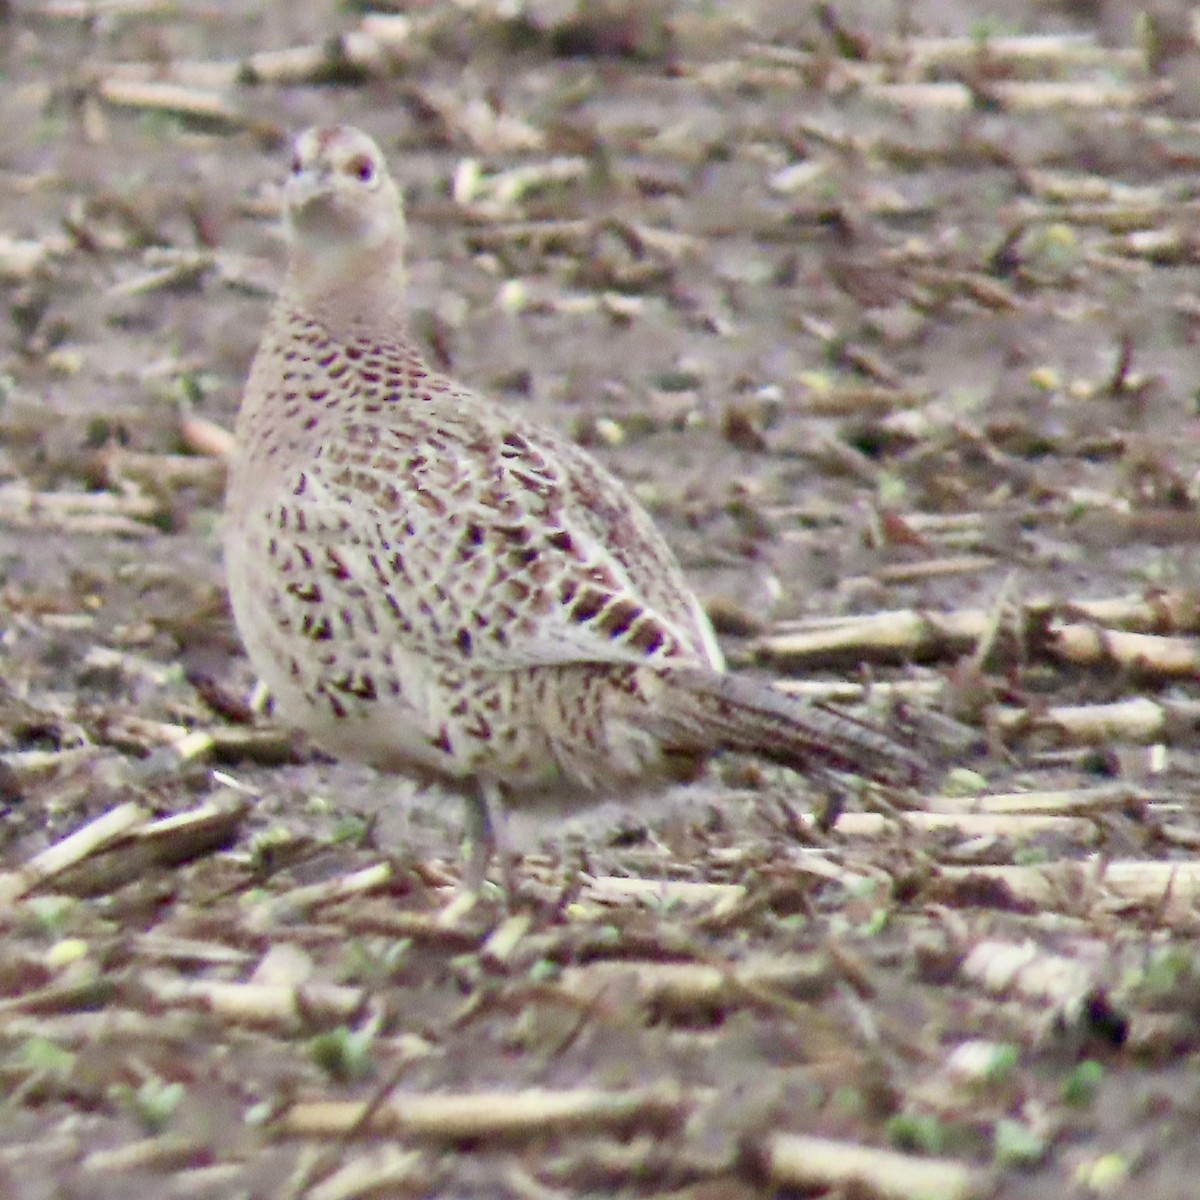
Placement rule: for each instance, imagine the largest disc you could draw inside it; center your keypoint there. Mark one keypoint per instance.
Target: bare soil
(888, 313)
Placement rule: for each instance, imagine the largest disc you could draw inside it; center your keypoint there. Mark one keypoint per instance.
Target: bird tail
(698, 709)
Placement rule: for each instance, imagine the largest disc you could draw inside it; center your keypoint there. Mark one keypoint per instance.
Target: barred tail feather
(702, 709)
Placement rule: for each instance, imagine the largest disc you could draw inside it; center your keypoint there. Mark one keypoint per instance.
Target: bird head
(344, 219)
(339, 196)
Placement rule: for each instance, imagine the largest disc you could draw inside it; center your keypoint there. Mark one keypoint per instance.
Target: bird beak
(303, 187)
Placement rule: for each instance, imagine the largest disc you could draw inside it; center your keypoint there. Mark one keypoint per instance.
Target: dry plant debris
(893, 326)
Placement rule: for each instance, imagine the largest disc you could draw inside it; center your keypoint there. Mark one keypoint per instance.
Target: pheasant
(430, 583)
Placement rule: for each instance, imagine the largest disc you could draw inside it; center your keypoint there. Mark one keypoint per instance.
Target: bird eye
(362, 168)
(297, 164)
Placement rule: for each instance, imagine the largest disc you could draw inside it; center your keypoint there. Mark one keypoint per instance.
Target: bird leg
(485, 835)
(480, 836)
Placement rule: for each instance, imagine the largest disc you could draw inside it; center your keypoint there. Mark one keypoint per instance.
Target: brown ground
(873, 322)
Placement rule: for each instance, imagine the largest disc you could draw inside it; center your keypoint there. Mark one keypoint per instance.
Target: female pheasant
(430, 583)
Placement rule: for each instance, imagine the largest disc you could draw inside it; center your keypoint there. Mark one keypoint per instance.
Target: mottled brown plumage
(430, 583)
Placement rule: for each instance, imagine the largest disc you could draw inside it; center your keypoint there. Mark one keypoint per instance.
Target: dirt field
(889, 313)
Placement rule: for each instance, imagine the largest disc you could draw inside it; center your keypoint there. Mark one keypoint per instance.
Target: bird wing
(505, 548)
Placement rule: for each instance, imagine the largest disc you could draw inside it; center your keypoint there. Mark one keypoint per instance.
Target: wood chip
(312, 1005)
(1142, 654)
(624, 890)
(182, 101)
(168, 1152)
(71, 850)
(910, 634)
(683, 989)
(490, 1116)
(1023, 96)
(792, 1160)
(382, 1171)
(78, 512)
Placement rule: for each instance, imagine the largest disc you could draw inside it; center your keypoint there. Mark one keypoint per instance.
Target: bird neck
(360, 290)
